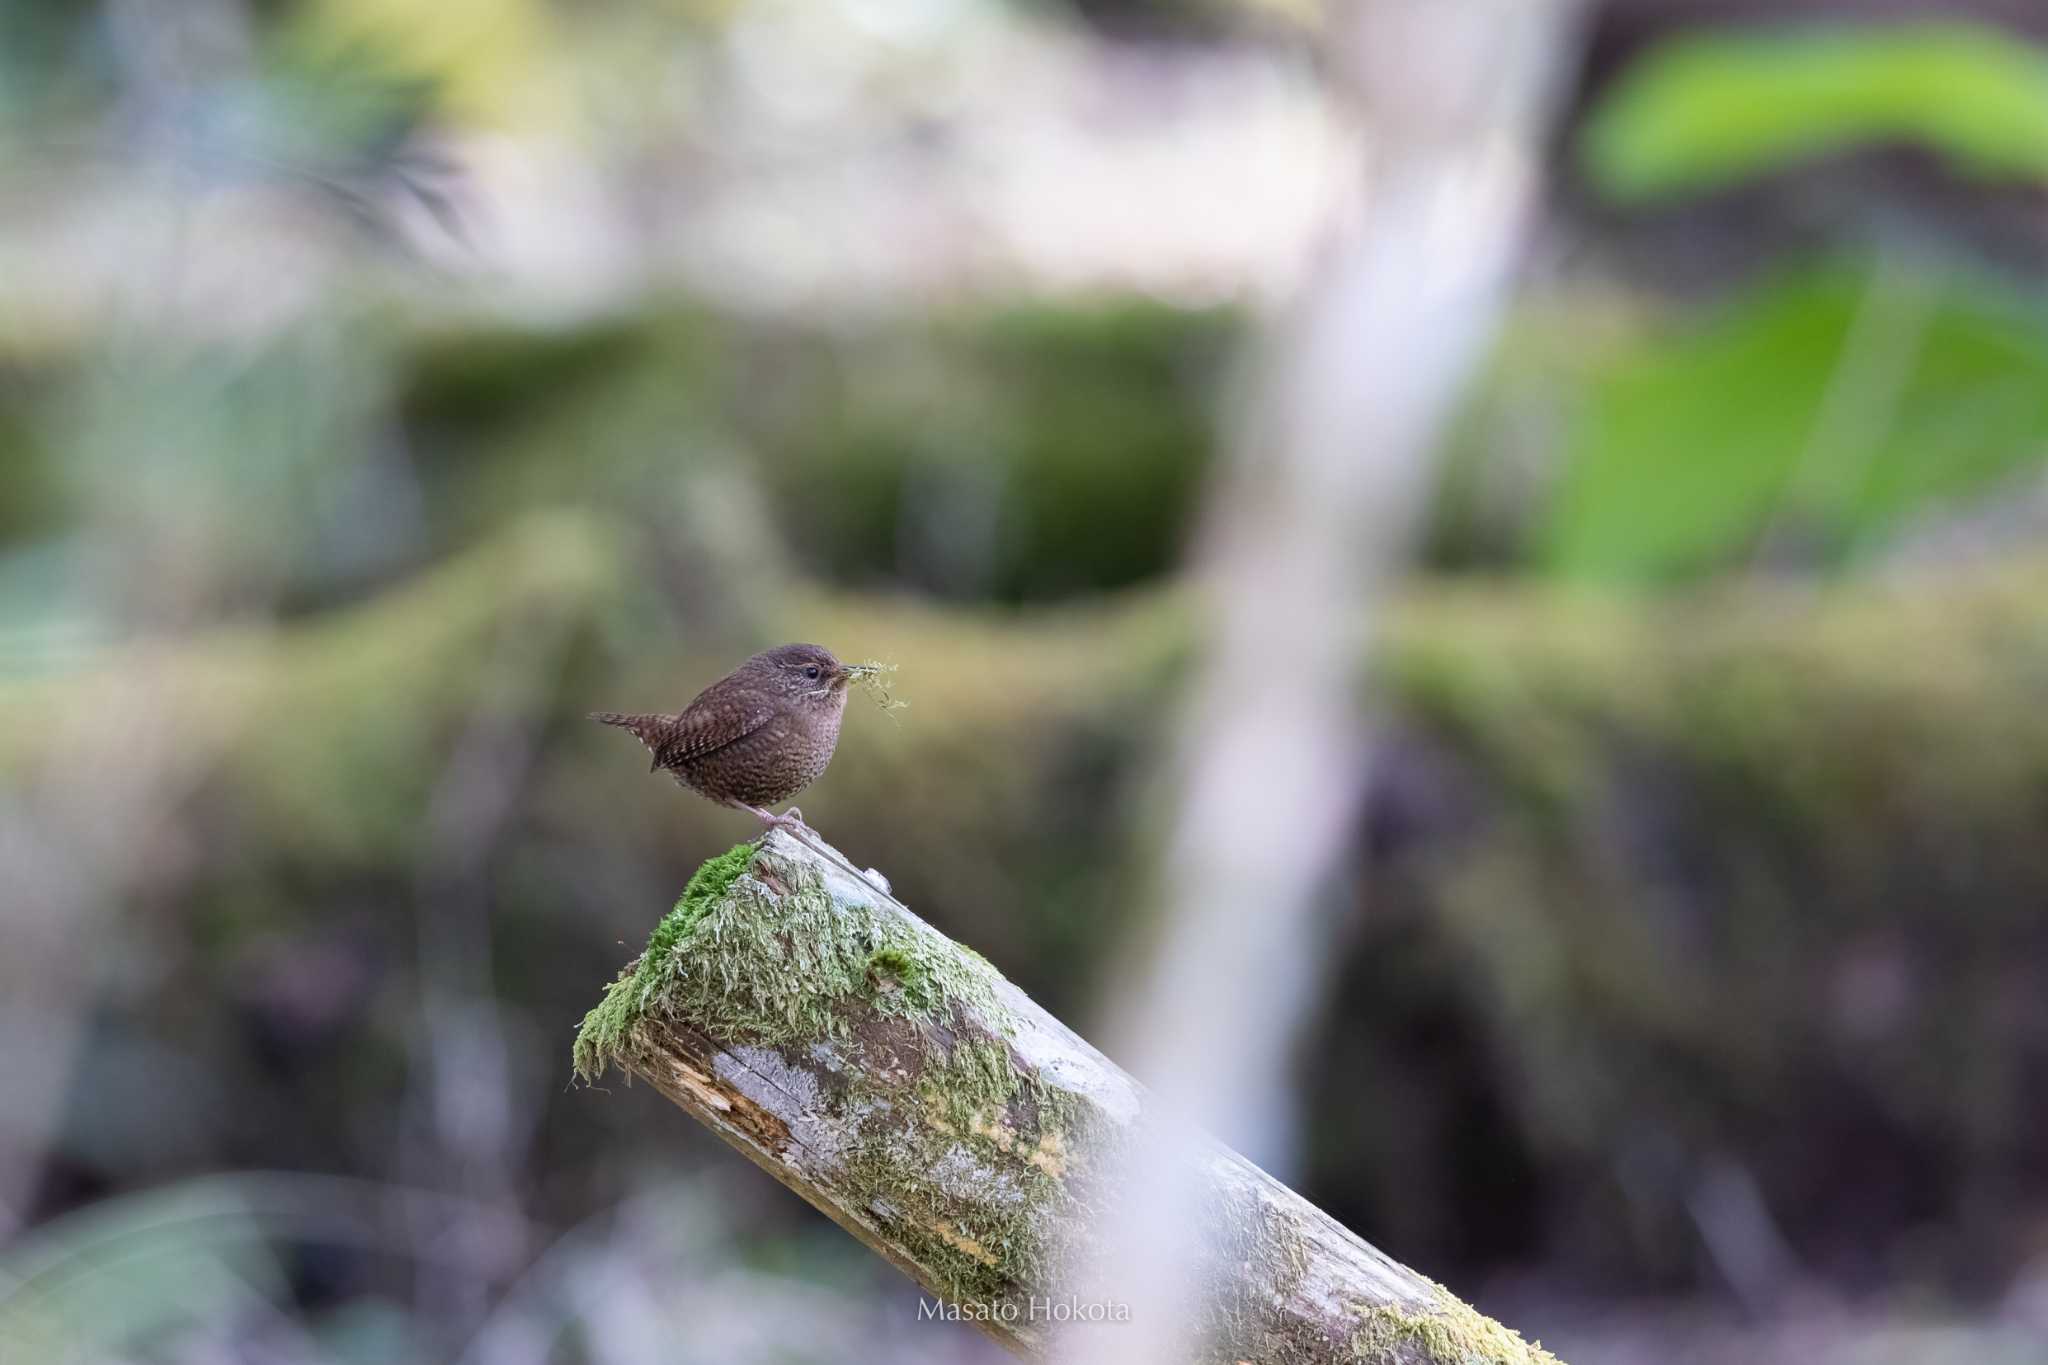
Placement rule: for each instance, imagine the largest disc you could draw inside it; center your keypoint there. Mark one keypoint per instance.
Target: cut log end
(899, 1084)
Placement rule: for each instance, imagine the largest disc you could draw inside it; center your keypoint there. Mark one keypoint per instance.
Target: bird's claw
(791, 819)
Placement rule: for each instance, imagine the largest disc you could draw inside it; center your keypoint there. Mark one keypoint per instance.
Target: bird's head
(805, 673)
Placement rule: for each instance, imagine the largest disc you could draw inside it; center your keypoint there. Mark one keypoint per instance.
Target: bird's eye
(811, 672)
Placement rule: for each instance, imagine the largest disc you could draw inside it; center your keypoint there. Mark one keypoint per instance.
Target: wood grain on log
(907, 1090)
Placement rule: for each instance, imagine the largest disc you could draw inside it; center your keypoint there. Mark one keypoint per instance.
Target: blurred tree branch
(1309, 527)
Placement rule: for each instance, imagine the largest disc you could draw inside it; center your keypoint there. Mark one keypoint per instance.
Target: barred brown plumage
(759, 735)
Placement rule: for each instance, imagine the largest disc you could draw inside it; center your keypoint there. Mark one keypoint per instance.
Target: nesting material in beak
(868, 677)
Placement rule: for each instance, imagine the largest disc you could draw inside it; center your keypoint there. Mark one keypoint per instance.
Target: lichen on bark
(1447, 1330)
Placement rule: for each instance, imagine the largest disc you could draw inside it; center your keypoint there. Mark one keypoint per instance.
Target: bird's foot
(792, 819)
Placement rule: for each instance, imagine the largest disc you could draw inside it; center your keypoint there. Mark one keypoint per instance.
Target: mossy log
(901, 1085)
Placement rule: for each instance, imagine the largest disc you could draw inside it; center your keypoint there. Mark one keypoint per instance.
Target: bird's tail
(647, 729)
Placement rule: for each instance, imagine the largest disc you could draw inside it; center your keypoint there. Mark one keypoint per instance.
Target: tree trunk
(892, 1078)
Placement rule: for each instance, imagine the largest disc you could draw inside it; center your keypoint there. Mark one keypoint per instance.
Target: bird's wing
(709, 723)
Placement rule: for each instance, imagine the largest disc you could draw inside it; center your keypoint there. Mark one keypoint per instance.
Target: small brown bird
(759, 735)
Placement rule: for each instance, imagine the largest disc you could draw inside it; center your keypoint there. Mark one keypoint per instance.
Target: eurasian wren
(760, 734)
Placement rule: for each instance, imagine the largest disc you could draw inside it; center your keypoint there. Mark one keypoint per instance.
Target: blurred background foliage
(1702, 113)
(382, 387)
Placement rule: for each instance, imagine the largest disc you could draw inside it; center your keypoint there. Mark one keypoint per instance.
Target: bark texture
(896, 1081)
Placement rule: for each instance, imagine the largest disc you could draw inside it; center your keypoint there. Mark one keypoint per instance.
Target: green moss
(973, 1108)
(778, 969)
(751, 964)
(603, 1034)
(959, 1156)
(988, 1144)
(706, 885)
(890, 968)
(1448, 1332)
(979, 1074)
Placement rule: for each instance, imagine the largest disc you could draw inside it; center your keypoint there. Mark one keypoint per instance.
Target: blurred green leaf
(1830, 404)
(1701, 113)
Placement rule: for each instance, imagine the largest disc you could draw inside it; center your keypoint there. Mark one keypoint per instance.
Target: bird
(757, 736)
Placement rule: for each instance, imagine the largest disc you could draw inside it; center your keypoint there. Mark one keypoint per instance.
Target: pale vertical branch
(1309, 524)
